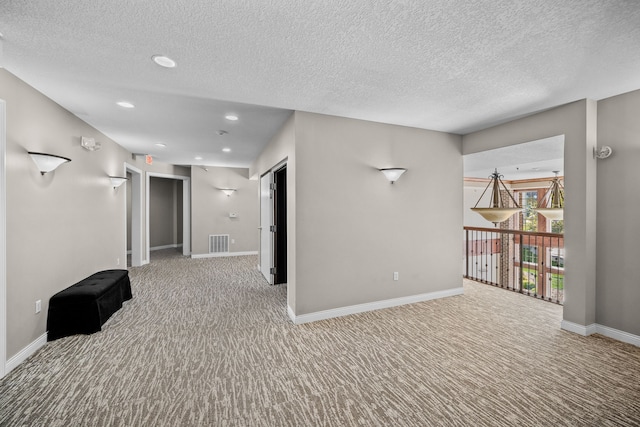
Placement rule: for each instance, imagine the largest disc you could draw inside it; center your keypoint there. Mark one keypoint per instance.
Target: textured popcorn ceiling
(442, 65)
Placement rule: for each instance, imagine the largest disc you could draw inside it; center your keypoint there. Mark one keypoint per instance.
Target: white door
(266, 220)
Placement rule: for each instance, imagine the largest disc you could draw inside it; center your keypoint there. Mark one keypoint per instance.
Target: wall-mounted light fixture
(228, 191)
(603, 152)
(117, 181)
(47, 162)
(392, 174)
(499, 210)
(90, 144)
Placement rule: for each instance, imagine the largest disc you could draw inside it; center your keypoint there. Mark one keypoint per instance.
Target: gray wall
(352, 228)
(211, 208)
(618, 290)
(65, 225)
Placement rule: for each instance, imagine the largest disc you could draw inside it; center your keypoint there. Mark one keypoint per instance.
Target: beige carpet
(207, 343)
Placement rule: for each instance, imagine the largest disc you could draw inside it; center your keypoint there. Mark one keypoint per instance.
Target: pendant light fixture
(499, 210)
(552, 204)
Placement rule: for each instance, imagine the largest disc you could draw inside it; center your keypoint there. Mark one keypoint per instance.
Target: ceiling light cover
(198, 157)
(125, 104)
(161, 145)
(231, 117)
(392, 174)
(164, 61)
(47, 162)
(226, 149)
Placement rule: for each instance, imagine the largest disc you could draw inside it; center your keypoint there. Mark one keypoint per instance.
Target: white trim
(26, 352)
(136, 216)
(370, 306)
(618, 335)
(224, 254)
(596, 328)
(3, 241)
(578, 329)
(158, 248)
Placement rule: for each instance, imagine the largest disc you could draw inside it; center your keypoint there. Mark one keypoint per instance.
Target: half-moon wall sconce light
(392, 174)
(117, 181)
(228, 191)
(47, 162)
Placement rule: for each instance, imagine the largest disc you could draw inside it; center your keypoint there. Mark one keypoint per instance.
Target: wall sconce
(602, 153)
(393, 174)
(47, 162)
(90, 144)
(117, 181)
(228, 191)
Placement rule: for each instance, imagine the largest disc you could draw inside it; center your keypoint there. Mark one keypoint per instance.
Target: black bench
(84, 307)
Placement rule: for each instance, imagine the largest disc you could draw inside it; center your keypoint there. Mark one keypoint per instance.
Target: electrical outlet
(38, 306)
(396, 275)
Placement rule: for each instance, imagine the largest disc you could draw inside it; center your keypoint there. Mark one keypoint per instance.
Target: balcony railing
(528, 262)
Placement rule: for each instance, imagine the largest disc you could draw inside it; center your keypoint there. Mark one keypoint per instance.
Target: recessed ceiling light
(226, 149)
(164, 61)
(161, 145)
(231, 117)
(198, 158)
(125, 104)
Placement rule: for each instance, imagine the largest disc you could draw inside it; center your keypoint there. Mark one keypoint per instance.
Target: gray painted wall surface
(618, 289)
(63, 226)
(351, 228)
(211, 208)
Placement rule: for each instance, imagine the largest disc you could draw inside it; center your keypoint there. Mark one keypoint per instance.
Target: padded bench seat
(84, 307)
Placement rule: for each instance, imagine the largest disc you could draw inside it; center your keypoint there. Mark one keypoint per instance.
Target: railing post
(466, 273)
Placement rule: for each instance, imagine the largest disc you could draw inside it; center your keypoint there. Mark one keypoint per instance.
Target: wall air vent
(218, 243)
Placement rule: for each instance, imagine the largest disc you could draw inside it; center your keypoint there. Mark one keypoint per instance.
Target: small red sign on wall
(148, 159)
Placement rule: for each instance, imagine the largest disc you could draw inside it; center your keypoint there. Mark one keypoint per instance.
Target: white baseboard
(370, 306)
(23, 354)
(157, 248)
(223, 254)
(618, 335)
(596, 328)
(578, 329)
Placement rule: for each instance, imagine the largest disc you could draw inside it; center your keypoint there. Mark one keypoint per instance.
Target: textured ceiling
(441, 65)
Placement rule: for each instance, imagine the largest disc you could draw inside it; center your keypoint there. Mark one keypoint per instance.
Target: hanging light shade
(47, 162)
(499, 210)
(552, 204)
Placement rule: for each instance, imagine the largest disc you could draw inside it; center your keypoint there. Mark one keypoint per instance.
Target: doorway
(273, 225)
(184, 181)
(280, 222)
(133, 240)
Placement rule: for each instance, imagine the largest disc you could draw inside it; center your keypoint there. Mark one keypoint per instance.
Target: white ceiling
(439, 64)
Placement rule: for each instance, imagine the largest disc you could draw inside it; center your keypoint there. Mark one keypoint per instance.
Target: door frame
(3, 240)
(186, 210)
(137, 254)
(270, 207)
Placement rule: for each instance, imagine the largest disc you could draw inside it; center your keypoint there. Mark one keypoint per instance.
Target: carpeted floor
(205, 342)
